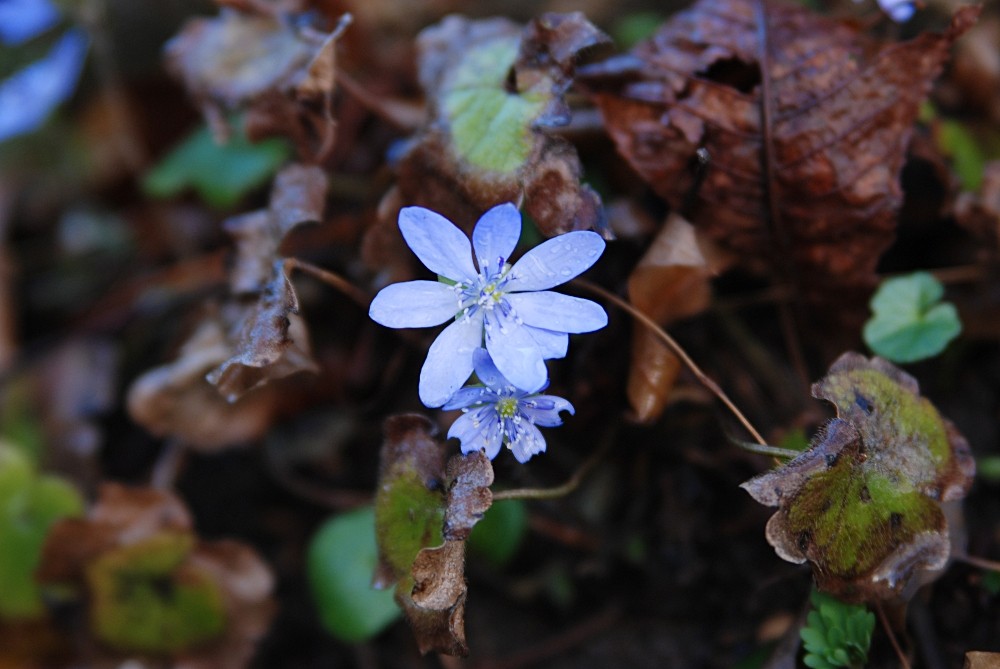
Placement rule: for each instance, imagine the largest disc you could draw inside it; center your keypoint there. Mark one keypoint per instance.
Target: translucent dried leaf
(670, 282)
(863, 504)
(843, 109)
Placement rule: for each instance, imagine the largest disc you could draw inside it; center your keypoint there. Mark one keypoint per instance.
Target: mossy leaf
(863, 503)
(910, 322)
(342, 558)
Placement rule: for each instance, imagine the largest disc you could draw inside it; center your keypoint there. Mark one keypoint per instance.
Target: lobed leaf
(910, 322)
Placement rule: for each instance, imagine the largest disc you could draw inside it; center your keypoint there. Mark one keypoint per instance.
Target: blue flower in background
(29, 95)
(497, 413)
(522, 322)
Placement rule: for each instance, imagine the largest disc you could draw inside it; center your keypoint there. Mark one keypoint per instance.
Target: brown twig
(982, 563)
(903, 661)
(331, 279)
(672, 344)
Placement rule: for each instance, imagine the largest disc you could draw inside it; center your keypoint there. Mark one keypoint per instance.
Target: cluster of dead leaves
(151, 589)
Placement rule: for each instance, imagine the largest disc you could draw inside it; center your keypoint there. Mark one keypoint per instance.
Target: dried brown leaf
(975, 659)
(437, 608)
(469, 494)
(670, 282)
(980, 212)
(843, 106)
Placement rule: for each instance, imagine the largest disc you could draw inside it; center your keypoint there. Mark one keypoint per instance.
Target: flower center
(485, 293)
(507, 407)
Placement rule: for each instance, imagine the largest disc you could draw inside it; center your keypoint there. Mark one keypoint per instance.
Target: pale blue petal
(414, 304)
(558, 312)
(544, 409)
(495, 237)
(515, 352)
(449, 361)
(466, 397)
(556, 261)
(552, 344)
(20, 20)
(529, 442)
(487, 371)
(441, 247)
(478, 430)
(29, 95)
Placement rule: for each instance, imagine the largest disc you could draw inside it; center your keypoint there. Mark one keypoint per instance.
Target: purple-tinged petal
(552, 344)
(558, 312)
(544, 409)
(414, 304)
(469, 395)
(495, 237)
(449, 361)
(529, 442)
(478, 430)
(487, 372)
(556, 261)
(515, 352)
(441, 247)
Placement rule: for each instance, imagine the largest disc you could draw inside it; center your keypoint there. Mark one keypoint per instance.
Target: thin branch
(331, 279)
(904, 663)
(561, 490)
(765, 449)
(672, 344)
(982, 563)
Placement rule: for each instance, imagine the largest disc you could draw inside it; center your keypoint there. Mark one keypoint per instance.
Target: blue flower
(522, 322)
(498, 413)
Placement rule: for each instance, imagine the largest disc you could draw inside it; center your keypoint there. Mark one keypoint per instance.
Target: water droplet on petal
(565, 272)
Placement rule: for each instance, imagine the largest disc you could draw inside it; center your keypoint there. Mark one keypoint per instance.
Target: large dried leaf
(841, 111)
(492, 87)
(670, 282)
(424, 511)
(863, 504)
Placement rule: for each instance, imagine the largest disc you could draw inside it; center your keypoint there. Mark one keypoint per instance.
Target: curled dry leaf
(176, 399)
(670, 282)
(863, 504)
(202, 604)
(424, 511)
(491, 88)
(842, 106)
(282, 75)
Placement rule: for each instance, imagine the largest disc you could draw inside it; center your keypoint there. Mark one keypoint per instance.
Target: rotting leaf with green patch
(492, 88)
(424, 511)
(864, 504)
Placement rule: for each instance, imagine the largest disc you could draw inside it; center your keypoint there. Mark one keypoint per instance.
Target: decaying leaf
(492, 88)
(424, 511)
(841, 111)
(152, 586)
(177, 400)
(980, 212)
(975, 659)
(281, 74)
(863, 504)
(670, 282)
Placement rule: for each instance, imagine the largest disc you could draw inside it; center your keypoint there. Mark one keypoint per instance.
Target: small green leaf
(220, 174)
(29, 505)
(633, 28)
(966, 153)
(988, 468)
(910, 322)
(342, 558)
(836, 634)
(499, 534)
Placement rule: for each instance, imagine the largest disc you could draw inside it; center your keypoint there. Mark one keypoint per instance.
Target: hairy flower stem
(566, 488)
(672, 344)
(329, 278)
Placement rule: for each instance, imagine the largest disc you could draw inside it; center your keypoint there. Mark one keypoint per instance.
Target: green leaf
(836, 634)
(633, 28)
(988, 468)
(910, 322)
(341, 560)
(29, 505)
(966, 153)
(144, 598)
(220, 174)
(500, 533)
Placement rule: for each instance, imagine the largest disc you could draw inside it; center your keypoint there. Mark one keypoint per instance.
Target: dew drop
(565, 272)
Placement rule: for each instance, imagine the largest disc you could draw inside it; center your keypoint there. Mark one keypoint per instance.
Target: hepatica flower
(497, 413)
(509, 307)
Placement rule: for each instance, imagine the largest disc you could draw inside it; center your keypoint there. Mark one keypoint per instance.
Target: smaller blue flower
(497, 413)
